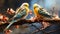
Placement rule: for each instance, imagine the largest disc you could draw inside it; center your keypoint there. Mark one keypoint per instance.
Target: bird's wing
(44, 13)
(20, 14)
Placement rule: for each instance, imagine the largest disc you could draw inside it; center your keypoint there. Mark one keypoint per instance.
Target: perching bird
(21, 13)
(40, 12)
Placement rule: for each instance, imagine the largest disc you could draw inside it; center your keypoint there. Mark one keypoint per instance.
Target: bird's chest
(39, 16)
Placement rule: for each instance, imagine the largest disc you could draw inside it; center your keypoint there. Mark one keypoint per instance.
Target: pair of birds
(23, 10)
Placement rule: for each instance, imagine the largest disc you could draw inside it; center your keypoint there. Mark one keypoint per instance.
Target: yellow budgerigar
(41, 12)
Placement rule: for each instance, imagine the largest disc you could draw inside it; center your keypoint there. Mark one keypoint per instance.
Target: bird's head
(36, 6)
(25, 5)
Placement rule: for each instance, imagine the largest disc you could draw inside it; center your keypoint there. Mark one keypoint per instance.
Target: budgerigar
(21, 13)
(41, 12)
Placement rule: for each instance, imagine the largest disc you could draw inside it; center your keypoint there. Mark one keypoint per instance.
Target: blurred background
(52, 6)
(49, 5)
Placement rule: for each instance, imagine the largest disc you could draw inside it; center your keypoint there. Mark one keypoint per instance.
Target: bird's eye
(26, 5)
